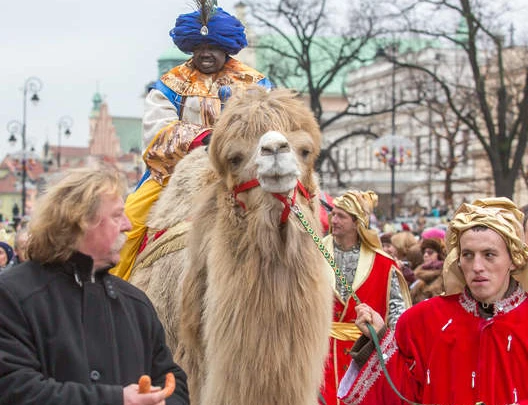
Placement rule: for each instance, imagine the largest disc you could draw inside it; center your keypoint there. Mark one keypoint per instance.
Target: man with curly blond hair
(70, 332)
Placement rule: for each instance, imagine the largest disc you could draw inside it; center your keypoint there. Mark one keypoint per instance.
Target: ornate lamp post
(392, 150)
(32, 85)
(65, 123)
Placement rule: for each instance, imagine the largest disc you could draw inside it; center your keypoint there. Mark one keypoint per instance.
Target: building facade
(436, 147)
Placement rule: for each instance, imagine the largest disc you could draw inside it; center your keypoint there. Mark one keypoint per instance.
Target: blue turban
(224, 31)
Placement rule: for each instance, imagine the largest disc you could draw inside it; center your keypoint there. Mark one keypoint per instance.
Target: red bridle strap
(287, 204)
(284, 200)
(303, 191)
(244, 187)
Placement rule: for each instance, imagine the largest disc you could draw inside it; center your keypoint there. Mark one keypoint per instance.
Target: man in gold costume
(182, 107)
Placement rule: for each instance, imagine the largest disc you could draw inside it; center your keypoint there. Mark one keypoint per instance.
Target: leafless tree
(304, 46)
(448, 144)
(312, 43)
(493, 102)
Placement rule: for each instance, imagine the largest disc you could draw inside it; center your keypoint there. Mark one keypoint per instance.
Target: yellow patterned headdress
(499, 214)
(361, 204)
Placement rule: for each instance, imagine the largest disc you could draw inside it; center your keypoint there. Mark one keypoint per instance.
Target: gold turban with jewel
(361, 204)
(499, 214)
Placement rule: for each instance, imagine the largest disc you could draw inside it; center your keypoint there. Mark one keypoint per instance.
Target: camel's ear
(214, 158)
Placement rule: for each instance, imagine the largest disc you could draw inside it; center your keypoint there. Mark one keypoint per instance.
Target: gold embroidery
(188, 81)
(168, 147)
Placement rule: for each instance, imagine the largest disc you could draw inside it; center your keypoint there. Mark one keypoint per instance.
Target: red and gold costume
(179, 113)
(372, 275)
(372, 284)
(453, 349)
(444, 353)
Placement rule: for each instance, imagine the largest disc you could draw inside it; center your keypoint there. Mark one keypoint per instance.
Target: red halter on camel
(239, 189)
(287, 204)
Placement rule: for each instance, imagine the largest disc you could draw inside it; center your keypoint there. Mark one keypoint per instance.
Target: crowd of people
(420, 257)
(13, 246)
(448, 308)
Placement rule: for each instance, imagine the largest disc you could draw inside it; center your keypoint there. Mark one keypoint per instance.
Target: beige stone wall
(371, 86)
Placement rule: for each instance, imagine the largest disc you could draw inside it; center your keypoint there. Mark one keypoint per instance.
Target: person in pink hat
(433, 233)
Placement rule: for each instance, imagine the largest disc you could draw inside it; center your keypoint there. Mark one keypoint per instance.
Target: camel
(239, 284)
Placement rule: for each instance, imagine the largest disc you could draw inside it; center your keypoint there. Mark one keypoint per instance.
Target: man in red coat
(372, 273)
(467, 347)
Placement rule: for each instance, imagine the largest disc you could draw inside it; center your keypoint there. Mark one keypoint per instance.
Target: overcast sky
(76, 48)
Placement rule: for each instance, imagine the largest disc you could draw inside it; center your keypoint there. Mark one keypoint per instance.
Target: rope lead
(342, 280)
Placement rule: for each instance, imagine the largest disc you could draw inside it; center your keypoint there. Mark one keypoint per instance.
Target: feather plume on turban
(222, 30)
(361, 204)
(499, 214)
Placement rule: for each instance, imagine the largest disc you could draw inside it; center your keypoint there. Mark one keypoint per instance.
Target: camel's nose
(272, 143)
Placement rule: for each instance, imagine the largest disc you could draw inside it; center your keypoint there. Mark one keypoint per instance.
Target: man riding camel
(182, 106)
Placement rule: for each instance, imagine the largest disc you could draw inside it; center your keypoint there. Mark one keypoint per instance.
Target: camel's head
(270, 136)
(277, 168)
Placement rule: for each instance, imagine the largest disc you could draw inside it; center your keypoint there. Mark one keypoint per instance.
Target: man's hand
(131, 396)
(366, 314)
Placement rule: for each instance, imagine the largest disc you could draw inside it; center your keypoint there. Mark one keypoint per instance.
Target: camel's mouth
(281, 184)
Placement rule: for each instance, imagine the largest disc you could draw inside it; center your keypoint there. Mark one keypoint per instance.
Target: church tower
(103, 139)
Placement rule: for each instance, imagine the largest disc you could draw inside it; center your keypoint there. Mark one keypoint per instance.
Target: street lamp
(65, 123)
(392, 149)
(393, 130)
(14, 128)
(32, 85)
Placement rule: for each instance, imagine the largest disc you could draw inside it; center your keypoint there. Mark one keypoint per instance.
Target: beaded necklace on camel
(290, 206)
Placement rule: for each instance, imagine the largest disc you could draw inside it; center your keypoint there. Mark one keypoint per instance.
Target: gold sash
(345, 331)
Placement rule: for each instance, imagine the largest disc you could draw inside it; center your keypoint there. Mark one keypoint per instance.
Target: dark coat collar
(80, 266)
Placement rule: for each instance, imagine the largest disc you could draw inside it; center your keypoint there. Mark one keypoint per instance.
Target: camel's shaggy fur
(251, 297)
(161, 279)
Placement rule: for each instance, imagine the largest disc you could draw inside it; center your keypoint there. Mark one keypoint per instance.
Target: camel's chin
(280, 185)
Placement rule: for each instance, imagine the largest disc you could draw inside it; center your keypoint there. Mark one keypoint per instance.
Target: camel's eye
(235, 160)
(305, 153)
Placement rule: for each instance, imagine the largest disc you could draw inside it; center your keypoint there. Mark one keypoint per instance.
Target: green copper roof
(129, 132)
(173, 53)
(97, 100)
(324, 54)
(273, 64)
(462, 32)
(170, 58)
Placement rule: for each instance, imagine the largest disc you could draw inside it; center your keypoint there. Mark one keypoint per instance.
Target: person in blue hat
(182, 106)
(6, 255)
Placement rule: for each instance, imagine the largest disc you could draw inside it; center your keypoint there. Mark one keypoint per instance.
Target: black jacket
(67, 339)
